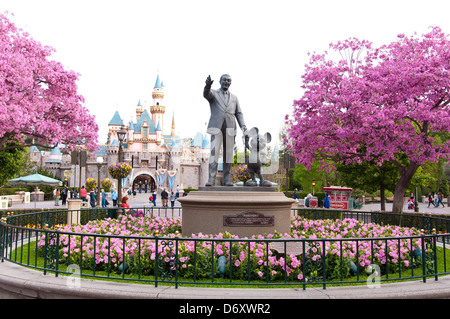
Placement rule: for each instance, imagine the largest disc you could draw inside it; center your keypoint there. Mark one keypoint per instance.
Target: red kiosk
(338, 196)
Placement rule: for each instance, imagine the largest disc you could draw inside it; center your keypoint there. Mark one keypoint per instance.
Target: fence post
(73, 214)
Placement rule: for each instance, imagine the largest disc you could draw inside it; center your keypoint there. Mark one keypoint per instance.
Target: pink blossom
(387, 101)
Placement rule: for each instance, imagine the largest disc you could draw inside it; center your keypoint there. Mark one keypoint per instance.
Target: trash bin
(3, 202)
(27, 197)
(314, 202)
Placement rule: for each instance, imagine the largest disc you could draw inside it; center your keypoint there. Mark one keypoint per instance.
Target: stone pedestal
(241, 211)
(73, 214)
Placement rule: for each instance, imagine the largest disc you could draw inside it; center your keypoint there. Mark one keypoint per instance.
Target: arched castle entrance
(143, 177)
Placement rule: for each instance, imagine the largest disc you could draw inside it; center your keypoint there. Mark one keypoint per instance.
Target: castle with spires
(159, 160)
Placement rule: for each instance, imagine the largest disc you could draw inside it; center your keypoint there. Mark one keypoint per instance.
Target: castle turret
(158, 135)
(114, 126)
(172, 132)
(158, 109)
(138, 110)
(130, 137)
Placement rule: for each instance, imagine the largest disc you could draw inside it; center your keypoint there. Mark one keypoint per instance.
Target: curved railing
(31, 240)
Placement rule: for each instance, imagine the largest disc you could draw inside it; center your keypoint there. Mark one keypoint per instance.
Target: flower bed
(245, 259)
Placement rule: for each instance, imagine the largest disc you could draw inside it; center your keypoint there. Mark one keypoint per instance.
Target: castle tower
(114, 126)
(138, 110)
(157, 109)
(172, 132)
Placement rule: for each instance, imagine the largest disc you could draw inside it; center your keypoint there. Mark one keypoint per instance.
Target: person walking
(92, 198)
(326, 201)
(440, 196)
(436, 200)
(104, 196)
(114, 197)
(83, 193)
(307, 199)
(56, 196)
(172, 199)
(64, 194)
(164, 198)
(430, 200)
(154, 197)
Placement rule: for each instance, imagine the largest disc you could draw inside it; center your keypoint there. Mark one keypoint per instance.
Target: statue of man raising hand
(225, 111)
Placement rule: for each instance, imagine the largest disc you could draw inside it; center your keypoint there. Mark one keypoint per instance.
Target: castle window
(144, 147)
(144, 131)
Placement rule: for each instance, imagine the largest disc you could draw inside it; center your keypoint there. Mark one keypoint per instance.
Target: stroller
(410, 203)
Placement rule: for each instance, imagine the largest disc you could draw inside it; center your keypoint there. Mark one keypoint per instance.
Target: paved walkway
(423, 208)
(141, 200)
(20, 282)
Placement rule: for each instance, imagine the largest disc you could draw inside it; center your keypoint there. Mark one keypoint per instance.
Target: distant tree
(38, 97)
(376, 104)
(305, 177)
(370, 177)
(10, 162)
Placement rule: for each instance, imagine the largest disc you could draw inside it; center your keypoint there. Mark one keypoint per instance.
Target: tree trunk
(406, 175)
(382, 197)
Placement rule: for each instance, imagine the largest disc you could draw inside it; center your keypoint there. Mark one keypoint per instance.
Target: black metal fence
(32, 240)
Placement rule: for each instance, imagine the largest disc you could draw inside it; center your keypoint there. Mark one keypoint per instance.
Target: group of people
(63, 194)
(165, 197)
(140, 185)
(307, 200)
(91, 197)
(84, 195)
(435, 200)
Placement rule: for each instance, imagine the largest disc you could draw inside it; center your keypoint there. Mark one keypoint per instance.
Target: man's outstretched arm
(207, 90)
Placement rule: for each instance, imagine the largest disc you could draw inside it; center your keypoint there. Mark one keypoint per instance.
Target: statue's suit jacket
(223, 110)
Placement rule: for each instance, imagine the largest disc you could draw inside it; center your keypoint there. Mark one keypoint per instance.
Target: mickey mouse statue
(256, 143)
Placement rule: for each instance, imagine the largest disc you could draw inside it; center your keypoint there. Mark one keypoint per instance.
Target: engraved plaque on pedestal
(248, 219)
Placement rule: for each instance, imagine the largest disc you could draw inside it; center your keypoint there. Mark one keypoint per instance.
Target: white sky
(118, 47)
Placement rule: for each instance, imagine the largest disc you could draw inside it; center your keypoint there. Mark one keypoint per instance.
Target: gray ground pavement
(17, 281)
(141, 200)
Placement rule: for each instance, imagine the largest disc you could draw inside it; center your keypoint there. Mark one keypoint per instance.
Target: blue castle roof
(198, 140)
(116, 120)
(55, 151)
(145, 116)
(158, 82)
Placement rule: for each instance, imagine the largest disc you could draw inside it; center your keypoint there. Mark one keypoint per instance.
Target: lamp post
(121, 136)
(313, 185)
(99, 166)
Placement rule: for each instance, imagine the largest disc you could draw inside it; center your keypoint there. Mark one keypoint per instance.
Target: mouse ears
(254, 131)
(268, 137)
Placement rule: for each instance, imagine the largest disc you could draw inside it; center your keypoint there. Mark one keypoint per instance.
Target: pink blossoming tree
(375, 104)
(38, 97)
